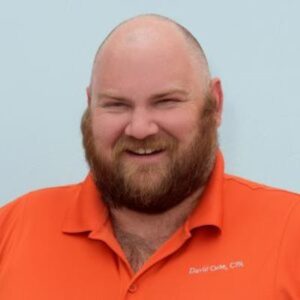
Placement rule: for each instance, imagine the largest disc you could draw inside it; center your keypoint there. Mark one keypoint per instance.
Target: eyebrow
(169, 92)
(110, 96)
(113, 95)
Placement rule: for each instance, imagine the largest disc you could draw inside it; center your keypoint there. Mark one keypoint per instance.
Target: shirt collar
(86, 210)
(209, 211)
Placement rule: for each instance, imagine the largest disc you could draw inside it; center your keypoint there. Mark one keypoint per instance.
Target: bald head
(147, 32)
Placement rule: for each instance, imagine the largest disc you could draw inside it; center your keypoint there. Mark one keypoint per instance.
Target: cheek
(106, 131)
(181, 125)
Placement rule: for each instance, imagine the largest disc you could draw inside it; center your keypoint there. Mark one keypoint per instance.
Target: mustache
(126, 143)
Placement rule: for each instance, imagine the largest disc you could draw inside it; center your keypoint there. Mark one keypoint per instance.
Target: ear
(89, 95)
(217, 92)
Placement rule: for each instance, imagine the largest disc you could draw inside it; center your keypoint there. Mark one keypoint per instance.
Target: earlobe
(88, 94)
(217, 93)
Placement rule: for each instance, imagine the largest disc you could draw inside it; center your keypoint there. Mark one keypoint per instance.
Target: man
(156, 218)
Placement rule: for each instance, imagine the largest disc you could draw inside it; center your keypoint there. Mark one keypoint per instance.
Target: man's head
(150, 130)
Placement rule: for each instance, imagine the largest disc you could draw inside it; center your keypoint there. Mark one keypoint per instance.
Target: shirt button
(133, 288)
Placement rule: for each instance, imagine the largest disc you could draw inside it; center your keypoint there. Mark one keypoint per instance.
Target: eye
(115, 105)
(167, 102)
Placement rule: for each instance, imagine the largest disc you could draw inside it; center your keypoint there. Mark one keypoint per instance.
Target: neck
(140, 235)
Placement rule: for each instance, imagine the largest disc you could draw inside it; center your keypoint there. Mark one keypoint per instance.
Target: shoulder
(273, 215)
(37, 202)
(261, 192)
(258, 204)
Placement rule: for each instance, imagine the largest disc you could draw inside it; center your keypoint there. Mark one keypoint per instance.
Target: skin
(148, 82)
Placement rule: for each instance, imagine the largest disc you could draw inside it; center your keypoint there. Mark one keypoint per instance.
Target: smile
(145, 155)
(144, 152)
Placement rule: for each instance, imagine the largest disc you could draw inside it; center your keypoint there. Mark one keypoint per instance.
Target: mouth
(145, 154)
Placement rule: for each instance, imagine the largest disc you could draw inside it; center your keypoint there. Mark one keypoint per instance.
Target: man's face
(150, 131)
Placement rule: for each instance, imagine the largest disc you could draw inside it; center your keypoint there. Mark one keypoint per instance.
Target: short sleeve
(288, 273)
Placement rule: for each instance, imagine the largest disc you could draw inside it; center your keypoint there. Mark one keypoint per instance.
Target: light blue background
(46, 52)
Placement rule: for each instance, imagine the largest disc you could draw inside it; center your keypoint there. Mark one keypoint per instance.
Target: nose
(141, 125)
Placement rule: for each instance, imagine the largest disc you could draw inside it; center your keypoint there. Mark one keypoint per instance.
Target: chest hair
(137, 250)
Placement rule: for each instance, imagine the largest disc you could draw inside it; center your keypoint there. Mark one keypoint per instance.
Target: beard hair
(135, 187)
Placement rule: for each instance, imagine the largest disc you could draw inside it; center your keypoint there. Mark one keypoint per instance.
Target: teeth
(144, 151)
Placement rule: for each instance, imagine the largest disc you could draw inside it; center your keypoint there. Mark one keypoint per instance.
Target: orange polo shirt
(241, 242)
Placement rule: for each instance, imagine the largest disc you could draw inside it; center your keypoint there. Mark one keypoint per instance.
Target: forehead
(145, 57)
